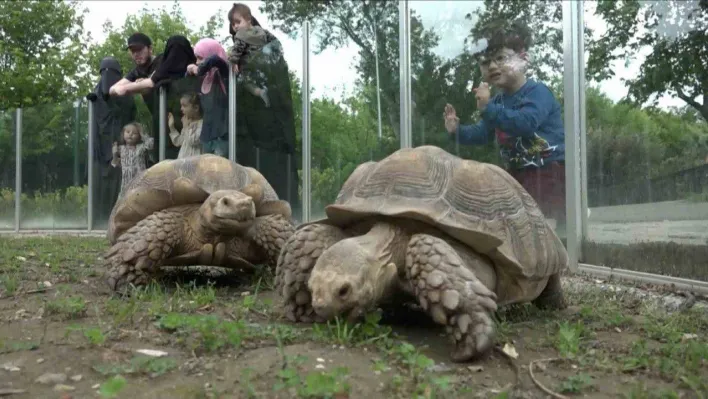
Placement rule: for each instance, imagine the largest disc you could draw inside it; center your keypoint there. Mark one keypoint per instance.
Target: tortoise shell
(179, 182)
(477, 203)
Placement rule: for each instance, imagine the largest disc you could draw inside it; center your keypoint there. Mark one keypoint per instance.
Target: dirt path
(63, 336)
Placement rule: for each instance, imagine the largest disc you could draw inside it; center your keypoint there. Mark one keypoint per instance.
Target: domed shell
(477, 203)
(180, 182)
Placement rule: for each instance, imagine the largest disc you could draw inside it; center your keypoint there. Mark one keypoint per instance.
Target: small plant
(576, 383)
(112, 387)
(10, 283)
(207, 333)
(568, 340)
(73, 307)
(152, 366)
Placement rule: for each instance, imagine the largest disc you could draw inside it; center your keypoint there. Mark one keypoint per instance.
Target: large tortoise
(460, 236)
(199, 210)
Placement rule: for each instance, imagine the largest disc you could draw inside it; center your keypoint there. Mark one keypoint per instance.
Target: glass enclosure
(647, 166)
(629, 168)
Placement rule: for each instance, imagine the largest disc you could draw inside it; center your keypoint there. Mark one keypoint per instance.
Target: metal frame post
(572, 59)
(18, 168)
(162, 128)
(580, 53)
(90, 166)
(306, 134)
(77, 109)
(232, 114)
(404, 53)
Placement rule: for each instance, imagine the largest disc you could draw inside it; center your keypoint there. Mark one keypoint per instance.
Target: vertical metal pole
(290, 179)
(18, 168)
(90, 165)
(306, 134)
(572, 91)
(378, 86)
(580, 53)
(232, 114)
(404, 37)
(258, 158)
(163, 122)
(77, 108)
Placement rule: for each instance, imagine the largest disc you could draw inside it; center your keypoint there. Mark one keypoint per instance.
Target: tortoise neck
(388, 242)
(200, 228)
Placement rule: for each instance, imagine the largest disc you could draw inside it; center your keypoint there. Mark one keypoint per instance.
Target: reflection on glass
(54, 176)
(350, 102)
(266, 119)
(647, 139)
(486, 87)
(7, 169)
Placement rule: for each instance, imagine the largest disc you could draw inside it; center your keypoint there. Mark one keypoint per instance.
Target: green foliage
(675, 33)
(42, 52)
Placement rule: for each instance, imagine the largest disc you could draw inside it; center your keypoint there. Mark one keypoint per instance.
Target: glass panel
(647, 139)
(54, 175)
(189, 110)
(7, 169)
(348, 125)
(455, 50)
(112, 117)
(268, 117)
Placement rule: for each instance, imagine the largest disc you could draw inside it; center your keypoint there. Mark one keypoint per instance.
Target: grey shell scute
(477, 203)
(153, 189)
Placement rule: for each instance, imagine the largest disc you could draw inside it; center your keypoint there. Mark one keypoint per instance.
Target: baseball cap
(138, 39)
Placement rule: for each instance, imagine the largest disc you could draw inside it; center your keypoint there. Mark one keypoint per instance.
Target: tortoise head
(228, 212)
(349, 279)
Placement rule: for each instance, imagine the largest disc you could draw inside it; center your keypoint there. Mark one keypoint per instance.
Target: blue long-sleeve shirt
(527, 124)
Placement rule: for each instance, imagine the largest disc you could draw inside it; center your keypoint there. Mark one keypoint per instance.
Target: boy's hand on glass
(115, 148)
(482, 95)
(170, 120)
(451, 119)
(235, 68)
(192, 69)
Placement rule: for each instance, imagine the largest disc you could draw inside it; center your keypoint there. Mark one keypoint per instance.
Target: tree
(674, 32)
(42, 52)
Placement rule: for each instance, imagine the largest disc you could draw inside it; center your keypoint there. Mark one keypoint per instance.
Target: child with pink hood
(213, 66)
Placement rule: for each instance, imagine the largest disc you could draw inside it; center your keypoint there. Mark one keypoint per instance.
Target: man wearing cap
(146, 63)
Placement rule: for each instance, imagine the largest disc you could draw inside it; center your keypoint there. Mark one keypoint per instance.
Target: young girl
(131, 154)
(188, 140)
(249, 37)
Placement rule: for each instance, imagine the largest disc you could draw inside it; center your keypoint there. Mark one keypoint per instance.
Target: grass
(225, 337)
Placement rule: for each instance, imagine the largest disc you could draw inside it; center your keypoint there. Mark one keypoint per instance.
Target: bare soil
(63, 335)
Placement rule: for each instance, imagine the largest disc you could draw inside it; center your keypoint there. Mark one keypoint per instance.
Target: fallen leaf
(152, 352)
(510, 350)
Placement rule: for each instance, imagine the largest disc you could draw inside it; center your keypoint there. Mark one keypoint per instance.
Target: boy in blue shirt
(525, 119)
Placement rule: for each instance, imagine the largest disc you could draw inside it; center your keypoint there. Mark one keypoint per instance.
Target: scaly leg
(270, 233)
(552, 296)
(295, 263)
(450, 292)
(142, 249)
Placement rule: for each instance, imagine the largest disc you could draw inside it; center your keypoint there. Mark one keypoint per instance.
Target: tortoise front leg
(139, 252)
(269, 234)
(451, 293)
(296, 260)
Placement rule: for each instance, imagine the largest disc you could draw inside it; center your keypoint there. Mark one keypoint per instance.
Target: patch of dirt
(227, 339)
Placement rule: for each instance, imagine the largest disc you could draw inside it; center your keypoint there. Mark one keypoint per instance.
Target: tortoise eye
(344, 290)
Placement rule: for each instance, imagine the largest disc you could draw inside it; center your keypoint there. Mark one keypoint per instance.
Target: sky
(332, 71)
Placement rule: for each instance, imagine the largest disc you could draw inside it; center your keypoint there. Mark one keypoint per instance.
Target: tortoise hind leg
(552, 297)
(295, 262)
(134, 259)
(451, 293)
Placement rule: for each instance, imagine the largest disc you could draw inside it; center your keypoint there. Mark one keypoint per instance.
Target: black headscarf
(177, 56)
(110, 113)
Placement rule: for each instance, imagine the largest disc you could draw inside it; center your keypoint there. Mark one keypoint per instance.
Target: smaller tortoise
(200, 210)
(459, 236)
